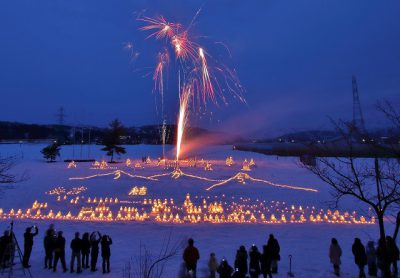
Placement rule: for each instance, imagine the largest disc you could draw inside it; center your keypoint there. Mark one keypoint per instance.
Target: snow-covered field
(308, 242)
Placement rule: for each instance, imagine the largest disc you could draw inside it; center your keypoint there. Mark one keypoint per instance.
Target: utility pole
(61, 115)
(358, 119)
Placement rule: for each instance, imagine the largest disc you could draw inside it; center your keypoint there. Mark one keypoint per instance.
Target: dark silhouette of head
(242, 248)
(190, 241)
(271, 236)
(60, 233)
(28, 230)
(334, 241)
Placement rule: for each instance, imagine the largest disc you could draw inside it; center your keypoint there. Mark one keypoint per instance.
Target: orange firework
(164, 29)
(183, 47)
(183, 107)
(158, 76)
(208, 89)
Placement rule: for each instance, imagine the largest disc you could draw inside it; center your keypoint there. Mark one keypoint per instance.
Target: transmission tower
(358, 119)
(61, 115)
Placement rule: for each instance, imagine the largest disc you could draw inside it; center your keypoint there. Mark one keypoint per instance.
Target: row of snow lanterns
(104, 213)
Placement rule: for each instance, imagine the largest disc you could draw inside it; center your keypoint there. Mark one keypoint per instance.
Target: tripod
(7, 258)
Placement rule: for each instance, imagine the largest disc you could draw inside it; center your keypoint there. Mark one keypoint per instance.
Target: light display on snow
(229, 161)
(138, 191)
(103, 165)
(72, 164)
(203, 209)
(62, 191)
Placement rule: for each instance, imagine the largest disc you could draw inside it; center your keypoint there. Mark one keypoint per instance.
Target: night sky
(294, 58)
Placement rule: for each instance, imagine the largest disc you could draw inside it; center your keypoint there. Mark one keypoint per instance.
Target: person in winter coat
(212, 265)
(393, 253)
(371, 259)
(266, 262)
(335, 252)
(5, 245)
(85, 250)
(190, 257)
(94, 245)
(28, 244)
(59, 252)
(254, 266)
(224, 269)
(241, 262)
(360, 257)
(49, 242)
(275, 250)
(106, 241)
(76, 247)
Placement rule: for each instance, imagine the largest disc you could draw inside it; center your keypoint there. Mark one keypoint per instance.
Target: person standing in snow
(335, 252)
(393, 253)
(106, 241)
(59, 252)
(360, 257)
(371, 259)
(76, 247)
(254, 266)
(224, 269)
(275, 253)
(49, 242)
(241, 262)
(212, 265)
(191, 256)
(28, 244)
(266, 262)
(85, 250)
(94, 254)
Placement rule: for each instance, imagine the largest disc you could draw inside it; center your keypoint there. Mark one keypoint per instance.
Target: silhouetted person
(59, 252)
(371, 259)
(360, 257)
(241, 262)
(224, 270)
(106, 241)
(191, 256)
(5, 245)
(85, 250)
(275, 250)
(28, 244)
(94, 245)
(393, 253)
(49, 242)
(212, 265)
(76, 248)
(266, 262)
(382, 258)
(335, 252)
(254, 265)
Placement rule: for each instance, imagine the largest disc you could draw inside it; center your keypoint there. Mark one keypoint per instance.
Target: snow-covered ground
(308, 243)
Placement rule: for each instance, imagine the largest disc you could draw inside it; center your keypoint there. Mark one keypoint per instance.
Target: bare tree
(374, 181)
(148, 265)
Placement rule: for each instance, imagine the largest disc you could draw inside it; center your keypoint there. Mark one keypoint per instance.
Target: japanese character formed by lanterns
(72, 164)
(246, 165)
(229, 161)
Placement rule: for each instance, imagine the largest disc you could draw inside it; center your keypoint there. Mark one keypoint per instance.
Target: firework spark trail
(163, 28)
(182, 118)
(208, 88)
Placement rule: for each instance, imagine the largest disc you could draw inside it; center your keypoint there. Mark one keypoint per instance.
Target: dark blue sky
(295, 59)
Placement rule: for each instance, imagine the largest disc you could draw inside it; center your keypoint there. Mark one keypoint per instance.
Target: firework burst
(201, 78)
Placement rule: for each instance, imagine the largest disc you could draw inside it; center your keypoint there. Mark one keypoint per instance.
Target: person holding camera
(28, 244)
